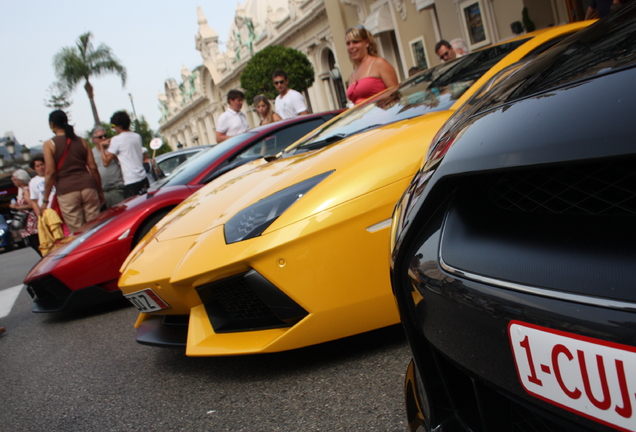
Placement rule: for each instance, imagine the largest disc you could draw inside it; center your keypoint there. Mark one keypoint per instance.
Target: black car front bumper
(50, 295)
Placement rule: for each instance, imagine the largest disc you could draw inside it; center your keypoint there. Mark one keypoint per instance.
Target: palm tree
(80, 62)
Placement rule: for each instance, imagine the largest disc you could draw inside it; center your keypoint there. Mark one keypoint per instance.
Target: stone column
(326, 82)
(188, 137)
(203, 138)
(209, 127)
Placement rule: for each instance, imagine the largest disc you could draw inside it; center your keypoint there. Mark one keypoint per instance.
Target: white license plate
(590, 377)
(147, 301)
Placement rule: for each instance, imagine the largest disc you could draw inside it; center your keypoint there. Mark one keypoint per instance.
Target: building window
(419, 53)
(474, 21)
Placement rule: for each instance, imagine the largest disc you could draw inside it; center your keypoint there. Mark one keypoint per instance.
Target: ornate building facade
(406, 32)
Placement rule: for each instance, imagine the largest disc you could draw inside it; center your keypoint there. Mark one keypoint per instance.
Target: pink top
(365, 88)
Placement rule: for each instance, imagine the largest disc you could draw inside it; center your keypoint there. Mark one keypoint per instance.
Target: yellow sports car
(295, 252)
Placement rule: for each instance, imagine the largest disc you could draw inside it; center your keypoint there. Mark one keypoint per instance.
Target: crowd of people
(74, 181)
(78, 182)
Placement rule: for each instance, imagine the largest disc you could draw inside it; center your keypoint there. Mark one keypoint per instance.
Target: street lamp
(10, 146)
(134, 112)
(26, 154)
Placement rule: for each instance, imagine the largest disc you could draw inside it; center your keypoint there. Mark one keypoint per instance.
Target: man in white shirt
(126, 147)
(289, 103)
(232, 121)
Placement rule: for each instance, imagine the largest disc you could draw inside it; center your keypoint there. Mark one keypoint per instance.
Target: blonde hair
(359, 33)
(270, 111)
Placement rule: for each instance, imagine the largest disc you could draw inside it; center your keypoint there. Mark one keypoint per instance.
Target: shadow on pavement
(265, 366)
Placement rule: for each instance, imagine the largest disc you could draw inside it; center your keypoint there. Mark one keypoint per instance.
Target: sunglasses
(100, 136)
(359, 27)
(278, 82)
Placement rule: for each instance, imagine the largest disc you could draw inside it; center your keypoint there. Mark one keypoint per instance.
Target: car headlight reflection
(253, 220)
(78, 240)
(405, 207)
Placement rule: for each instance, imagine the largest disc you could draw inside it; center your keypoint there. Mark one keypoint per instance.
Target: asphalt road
(85, 372)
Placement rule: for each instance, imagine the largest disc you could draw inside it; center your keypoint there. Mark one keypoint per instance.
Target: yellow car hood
(360, 164)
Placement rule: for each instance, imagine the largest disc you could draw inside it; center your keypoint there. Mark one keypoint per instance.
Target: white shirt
(36, 190)
(127, 147)
(232, 123)
(289, 106)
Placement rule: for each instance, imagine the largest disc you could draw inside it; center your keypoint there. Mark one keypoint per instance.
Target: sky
(151, 38)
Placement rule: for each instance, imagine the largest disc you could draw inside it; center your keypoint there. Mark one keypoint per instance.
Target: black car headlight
(253, 220)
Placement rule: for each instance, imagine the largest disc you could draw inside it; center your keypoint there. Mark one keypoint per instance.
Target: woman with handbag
(23, 216)
(70, 166)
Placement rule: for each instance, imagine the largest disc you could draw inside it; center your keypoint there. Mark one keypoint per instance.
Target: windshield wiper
(319, 144)
(366, 128)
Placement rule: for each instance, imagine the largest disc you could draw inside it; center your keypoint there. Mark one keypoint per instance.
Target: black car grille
(239, 301)
(573, 221)
(248, 302)
(176, 320)
(601, 188)
(49, 290)
(481, 408)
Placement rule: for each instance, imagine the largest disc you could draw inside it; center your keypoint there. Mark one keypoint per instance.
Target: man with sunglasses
(445, 51)
(289, 103)
(112, 180)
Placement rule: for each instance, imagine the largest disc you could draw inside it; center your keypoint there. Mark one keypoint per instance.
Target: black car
(514, 248)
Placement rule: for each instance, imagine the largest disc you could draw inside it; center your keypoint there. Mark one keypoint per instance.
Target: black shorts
(136, 188)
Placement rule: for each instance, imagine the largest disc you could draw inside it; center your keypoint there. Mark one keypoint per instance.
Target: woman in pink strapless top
(372, 74)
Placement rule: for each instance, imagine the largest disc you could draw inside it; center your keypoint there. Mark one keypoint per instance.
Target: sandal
(3, 331)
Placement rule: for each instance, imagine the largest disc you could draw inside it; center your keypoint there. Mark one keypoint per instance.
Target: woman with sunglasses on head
(264, 108)
(70, 166)
(371, 74)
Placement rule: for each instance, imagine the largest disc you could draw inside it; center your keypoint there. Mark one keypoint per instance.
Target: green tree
(147, 134)
(82, 62)
(59, 96)
(257, 76)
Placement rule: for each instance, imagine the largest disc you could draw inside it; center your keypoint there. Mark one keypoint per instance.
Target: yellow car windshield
(435, 89)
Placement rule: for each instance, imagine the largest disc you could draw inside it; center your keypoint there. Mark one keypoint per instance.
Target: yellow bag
(50, 230)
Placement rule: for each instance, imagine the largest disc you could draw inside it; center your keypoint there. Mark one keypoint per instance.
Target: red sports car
(84, 270)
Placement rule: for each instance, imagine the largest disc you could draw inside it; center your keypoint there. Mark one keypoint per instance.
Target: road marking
(7, 299)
